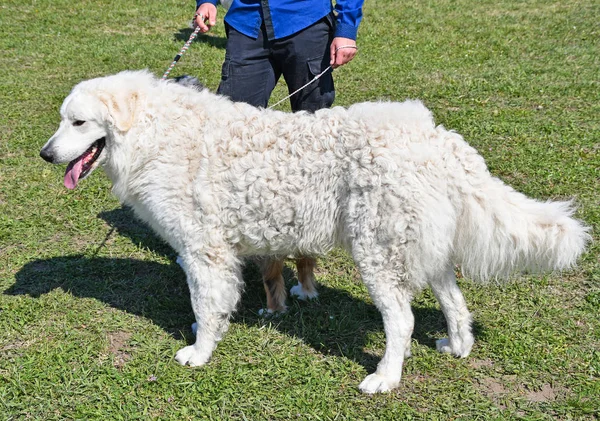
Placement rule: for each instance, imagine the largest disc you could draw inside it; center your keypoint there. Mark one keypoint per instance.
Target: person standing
(267, 39)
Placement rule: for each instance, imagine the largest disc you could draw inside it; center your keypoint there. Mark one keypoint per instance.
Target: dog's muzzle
(47, 155)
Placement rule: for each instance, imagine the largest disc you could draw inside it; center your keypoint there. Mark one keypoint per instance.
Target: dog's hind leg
(215, 288)
(393, 301)
(306, 288)
(460, 338)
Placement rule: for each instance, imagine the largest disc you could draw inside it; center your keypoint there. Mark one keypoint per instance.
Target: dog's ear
(121, 108)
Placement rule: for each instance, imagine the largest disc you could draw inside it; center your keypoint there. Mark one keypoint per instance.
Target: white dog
(221, 180)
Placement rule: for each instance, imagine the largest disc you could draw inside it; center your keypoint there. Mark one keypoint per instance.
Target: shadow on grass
(218, 42)
(336, 324)
(149, 289)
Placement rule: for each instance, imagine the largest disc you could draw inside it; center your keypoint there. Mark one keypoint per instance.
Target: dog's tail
(500, 231)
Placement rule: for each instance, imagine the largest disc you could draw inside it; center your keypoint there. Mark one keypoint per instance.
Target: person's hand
(342, 51)
(206, 17)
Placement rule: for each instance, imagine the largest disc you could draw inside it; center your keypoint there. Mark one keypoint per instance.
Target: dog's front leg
(215, 288)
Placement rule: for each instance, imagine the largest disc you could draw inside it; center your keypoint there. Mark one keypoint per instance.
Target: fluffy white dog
(221, 180)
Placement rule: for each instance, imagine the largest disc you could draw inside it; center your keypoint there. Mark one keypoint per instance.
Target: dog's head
(190, 82)
(96, 118)
(94, 114)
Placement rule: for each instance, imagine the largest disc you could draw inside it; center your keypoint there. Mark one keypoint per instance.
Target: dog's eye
(78, 123)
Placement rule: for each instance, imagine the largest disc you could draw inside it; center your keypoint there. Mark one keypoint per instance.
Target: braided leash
(302, 87)
(314, 79)
(182, 52)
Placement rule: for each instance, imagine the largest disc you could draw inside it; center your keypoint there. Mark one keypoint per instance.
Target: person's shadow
(337, 323)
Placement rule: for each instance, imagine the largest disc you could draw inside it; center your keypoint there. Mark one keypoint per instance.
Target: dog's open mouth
(79, 168)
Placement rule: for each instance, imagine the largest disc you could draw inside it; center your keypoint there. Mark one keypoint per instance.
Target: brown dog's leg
(272, 271)
(306, 288)
(274, 287)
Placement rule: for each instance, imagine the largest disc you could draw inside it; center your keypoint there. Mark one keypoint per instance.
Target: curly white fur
(221, 180)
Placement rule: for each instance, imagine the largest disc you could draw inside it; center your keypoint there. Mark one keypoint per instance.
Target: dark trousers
(252, 67)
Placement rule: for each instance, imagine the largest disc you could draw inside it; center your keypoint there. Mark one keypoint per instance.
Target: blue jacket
(283, 18)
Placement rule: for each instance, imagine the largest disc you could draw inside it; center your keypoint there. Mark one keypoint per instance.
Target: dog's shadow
(336, 324)
(214, 41)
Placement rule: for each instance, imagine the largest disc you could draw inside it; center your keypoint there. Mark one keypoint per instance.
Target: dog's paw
(191, 356)
(376, 383)
(461, 350)
(267, 312)
(298, 292)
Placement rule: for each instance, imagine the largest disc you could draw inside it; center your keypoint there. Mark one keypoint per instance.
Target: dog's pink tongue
(73, 172)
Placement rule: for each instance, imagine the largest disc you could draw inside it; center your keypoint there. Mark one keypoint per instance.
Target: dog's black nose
(46, 155)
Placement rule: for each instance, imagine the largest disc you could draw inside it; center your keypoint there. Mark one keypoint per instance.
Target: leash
(195, 34)
(182, 52)
(314, 79)
(299, 89)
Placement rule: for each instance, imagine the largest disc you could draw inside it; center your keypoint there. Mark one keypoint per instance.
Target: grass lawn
(93, 306)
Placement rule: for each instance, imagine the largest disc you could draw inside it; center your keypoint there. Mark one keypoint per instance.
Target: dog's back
(410, 113)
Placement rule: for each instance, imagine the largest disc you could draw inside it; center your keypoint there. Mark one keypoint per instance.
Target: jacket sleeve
(349, 15)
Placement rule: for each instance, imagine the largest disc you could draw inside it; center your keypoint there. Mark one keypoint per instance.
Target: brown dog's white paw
(299, 292)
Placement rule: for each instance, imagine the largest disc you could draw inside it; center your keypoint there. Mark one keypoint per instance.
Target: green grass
(93, 307)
